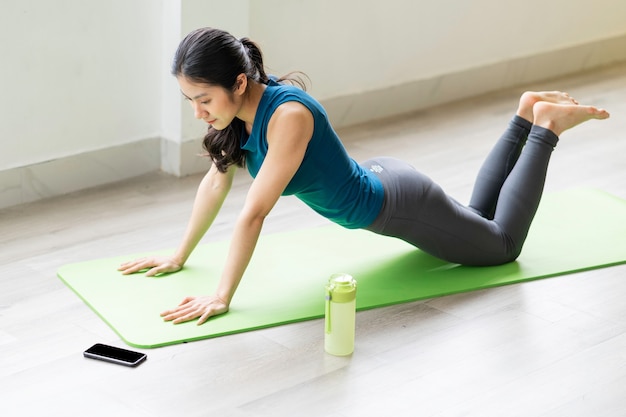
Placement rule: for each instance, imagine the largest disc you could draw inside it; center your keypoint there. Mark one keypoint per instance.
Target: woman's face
(214, 104)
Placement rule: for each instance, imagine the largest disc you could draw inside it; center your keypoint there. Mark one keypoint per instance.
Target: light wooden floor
(554, 347)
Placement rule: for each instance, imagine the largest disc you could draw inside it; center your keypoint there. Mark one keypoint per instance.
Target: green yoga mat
(573, 231)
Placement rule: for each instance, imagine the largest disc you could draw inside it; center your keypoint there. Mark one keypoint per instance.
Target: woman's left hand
(201, 307)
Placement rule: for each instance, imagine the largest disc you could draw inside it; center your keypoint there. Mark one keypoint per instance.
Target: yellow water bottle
(340, 314)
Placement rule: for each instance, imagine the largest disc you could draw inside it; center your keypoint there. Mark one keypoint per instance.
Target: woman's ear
(241, 84)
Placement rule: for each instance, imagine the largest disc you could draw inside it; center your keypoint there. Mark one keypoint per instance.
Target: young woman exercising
(287, 144)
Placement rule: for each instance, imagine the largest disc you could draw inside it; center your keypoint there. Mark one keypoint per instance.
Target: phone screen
(115, 355)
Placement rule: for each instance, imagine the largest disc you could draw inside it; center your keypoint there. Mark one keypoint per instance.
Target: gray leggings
(492, 229)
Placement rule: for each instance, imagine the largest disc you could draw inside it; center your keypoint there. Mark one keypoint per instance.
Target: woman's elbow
(253, 218)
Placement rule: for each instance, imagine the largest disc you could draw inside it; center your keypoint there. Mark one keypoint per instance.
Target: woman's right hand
(153, 264)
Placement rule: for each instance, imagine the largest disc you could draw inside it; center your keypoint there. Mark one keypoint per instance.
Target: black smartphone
(115, 355)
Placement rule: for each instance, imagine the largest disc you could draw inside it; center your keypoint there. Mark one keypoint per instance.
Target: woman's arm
(210, 196)
(289, 132)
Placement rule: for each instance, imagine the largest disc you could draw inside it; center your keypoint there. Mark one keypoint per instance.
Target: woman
(287, 144)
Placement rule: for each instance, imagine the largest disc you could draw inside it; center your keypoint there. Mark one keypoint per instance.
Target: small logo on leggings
(376, 168)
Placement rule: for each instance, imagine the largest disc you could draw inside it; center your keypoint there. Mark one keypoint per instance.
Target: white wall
(86, 96)
(353, 46)
(372, 58)
(77, 76)
(80, 94)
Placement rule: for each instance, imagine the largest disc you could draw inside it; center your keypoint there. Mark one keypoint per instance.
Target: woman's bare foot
(560, 117)
(529, 98)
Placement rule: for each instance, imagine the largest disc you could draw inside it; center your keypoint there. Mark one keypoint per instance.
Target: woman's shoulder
(280, 93)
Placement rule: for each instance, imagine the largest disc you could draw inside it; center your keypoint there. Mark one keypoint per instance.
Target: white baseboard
(65, 175)
(30, 183)
(183, 159)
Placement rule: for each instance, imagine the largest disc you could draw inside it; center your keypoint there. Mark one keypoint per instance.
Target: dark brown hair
(215, 57)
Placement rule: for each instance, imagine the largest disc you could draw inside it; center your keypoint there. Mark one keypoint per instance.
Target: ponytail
(255, 57)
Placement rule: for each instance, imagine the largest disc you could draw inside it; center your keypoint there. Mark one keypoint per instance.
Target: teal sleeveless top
(328, 180)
